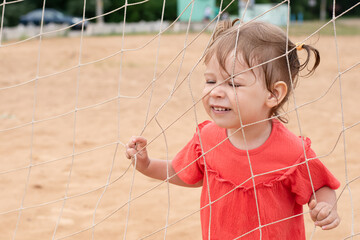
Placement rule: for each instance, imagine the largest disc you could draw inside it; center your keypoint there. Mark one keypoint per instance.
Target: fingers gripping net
(70, 104)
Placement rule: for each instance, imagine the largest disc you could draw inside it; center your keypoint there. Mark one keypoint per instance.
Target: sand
(63, 126)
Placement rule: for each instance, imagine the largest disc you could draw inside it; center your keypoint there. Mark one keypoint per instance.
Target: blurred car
(51, 16)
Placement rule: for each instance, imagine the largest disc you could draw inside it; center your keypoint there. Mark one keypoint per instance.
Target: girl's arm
(154, 168)
(323, 210)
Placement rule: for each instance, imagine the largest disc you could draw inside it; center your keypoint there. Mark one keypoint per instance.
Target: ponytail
(309, 49)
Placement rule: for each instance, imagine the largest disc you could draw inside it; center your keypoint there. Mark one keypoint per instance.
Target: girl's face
(227, 101)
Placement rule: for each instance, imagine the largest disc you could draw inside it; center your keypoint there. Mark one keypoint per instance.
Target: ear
(278, 93)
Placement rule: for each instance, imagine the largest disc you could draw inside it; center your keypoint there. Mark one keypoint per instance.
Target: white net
(72, 99)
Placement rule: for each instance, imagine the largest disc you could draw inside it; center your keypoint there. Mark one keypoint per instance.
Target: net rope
(119, 145)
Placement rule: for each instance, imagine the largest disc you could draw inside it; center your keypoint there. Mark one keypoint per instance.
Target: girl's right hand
(137, 146)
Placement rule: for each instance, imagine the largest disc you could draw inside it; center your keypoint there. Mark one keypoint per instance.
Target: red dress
(281, 183)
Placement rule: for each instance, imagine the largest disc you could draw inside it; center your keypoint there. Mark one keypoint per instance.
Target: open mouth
(220, 109)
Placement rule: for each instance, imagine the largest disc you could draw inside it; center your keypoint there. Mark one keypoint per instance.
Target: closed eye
(210, 82)
(233, 84)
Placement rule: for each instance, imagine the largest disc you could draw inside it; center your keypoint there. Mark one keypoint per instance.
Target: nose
(217, 91)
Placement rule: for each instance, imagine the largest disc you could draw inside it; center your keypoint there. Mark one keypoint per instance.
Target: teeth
(220, 109)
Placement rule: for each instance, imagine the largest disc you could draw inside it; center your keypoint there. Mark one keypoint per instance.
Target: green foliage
(15, 10)
(232, 9)
(313, 12)
(144, 11)
(152, 10)
(76, 8)
(147, 11)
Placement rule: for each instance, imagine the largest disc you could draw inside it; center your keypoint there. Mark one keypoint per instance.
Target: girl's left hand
(324, 215)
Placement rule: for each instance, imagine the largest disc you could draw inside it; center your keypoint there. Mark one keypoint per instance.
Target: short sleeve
(187, 163)
(301, 185)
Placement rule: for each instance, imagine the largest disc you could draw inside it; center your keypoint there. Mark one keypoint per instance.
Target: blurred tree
(99, 11)
(322, 10)
(148, 11)
(348, 4)
(232, 9)
(152, 9)
(13, 11)
(76, 8)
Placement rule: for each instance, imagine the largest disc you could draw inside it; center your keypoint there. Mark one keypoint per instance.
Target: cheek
(206, 90)
(205, 100)
(235, 97)
(205, 94)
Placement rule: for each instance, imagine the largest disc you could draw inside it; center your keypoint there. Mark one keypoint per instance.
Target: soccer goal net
(71, 100)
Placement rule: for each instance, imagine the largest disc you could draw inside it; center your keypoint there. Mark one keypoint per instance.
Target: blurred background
(17, 14)
(75, 89)
(151, 10)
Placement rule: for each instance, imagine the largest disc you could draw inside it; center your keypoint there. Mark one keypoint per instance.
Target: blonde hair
(258, 43)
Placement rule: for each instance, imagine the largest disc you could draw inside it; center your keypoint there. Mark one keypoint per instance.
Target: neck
(255, 135)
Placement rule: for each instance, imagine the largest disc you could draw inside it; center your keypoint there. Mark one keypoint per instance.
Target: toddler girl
(255, 174)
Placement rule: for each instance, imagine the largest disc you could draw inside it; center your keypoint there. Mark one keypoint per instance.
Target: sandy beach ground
(63, 126)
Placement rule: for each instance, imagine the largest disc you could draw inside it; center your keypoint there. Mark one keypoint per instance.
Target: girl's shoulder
(288, 142)
(204, 124)
(210, 133)
(207, 127)
(283, 134)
